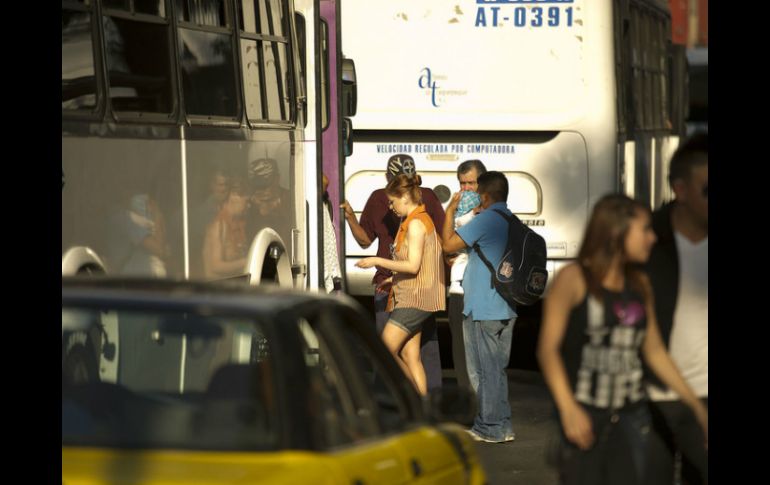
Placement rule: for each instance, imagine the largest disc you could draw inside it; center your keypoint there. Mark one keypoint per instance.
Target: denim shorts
(409, 320)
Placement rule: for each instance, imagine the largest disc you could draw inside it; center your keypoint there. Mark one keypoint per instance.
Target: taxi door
(387, 409)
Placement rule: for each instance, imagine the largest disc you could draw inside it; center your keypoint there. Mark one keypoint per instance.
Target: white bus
(172, 110)
(571, 99)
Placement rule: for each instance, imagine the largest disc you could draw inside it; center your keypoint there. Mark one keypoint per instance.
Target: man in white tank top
(678, 269)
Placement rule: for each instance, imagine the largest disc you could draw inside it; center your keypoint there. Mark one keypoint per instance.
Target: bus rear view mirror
(349, 88)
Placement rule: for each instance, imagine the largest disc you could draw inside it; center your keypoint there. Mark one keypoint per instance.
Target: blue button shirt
(490, 231)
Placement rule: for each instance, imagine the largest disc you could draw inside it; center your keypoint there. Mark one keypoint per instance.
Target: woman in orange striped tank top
(418, 287)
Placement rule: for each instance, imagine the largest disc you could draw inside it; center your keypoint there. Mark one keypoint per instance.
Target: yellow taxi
(171, 383)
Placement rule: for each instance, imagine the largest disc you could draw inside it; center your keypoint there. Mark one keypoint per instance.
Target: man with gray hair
(468, 173)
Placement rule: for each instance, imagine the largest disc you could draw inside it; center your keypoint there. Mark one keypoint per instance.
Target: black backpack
(521, 276)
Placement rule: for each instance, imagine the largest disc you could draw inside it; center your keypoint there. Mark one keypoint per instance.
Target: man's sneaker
(478, 437)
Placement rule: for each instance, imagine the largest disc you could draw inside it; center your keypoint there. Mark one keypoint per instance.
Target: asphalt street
(522, 461)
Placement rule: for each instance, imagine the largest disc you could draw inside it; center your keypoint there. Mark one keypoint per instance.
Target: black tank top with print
(602, 349)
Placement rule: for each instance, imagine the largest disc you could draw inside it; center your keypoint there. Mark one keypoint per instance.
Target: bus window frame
(649, 36)
(300, 23)
(145, 116)
(292, 79)
(326, 114)
(96, 54)
(171, 19)
(229, 29)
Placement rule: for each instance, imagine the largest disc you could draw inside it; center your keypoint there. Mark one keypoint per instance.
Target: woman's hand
(369, 262)
(702, 416)
(348, 210)
(385, 285)
(577, 426)
(455, 201)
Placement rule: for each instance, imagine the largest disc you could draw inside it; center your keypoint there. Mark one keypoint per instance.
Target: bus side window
(139, 79)
(78, 81)
(207, 60)
(267, 70)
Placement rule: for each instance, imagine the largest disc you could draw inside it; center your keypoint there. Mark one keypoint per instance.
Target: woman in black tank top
(598, 326)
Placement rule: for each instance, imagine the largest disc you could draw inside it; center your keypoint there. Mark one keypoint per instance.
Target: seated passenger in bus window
(203, 213)
(270, 203)
(225, 246)
(137, 238)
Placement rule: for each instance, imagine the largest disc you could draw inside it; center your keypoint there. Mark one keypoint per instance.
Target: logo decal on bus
(438, 94)
(426, 82)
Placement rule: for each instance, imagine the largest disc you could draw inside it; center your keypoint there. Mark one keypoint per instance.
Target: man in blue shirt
(488, 319)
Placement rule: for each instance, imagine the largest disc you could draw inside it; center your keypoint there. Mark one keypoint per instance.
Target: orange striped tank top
(425, 290)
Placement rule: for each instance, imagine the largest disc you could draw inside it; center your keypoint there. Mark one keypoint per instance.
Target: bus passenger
(270, 203)
(137, 238)
(203, 213)
(418, 284)
(225, 246)
(598, 323)
(379, 222)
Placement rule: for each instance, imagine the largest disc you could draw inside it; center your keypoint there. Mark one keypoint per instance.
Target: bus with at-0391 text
(571, 99)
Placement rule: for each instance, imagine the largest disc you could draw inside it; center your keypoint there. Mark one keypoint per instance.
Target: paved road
(523, 460)
(534, 422)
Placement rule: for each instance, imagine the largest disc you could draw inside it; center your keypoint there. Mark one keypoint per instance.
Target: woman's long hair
(605, 238)
(404, 184)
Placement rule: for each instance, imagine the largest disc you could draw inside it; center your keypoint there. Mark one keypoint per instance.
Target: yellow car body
(371, 463)
(176, 385)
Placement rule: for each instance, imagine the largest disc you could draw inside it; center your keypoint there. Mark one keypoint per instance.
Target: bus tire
(90, 270)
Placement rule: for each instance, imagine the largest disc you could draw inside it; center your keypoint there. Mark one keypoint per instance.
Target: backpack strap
(486, 262)
(484, 258)
(504, 215)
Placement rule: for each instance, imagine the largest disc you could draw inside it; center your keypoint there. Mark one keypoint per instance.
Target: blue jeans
(487, 350)
(429, 351)
(619, 452)
(676, 429)
(455, 314)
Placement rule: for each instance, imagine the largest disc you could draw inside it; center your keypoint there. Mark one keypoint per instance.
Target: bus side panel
(331, 134)
(548, 185)
(120, 198)
(313, 239)
(263, 163)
